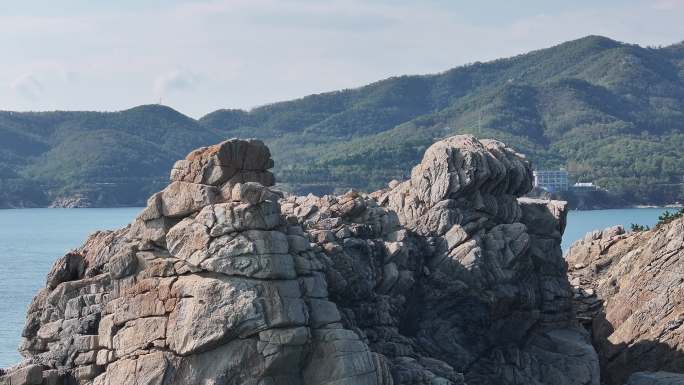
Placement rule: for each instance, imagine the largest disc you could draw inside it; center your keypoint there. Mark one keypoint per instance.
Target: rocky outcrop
(629, 292)
(71, 202)
(446, 278)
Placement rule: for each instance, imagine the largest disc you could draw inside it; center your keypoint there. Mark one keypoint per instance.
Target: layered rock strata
(629, 288)
(446, 278)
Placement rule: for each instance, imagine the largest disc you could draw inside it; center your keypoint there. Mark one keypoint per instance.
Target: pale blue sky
(198, 56)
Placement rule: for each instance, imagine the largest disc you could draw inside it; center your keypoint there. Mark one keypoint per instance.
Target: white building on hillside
(551, 180)
(584, 186)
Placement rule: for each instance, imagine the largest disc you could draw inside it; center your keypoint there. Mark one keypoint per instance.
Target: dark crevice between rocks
(409, 323)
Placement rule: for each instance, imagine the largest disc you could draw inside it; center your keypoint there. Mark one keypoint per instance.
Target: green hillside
(609, 112)
(114, 158)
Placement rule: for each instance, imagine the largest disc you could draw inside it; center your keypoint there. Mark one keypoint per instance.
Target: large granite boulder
(447, 278)
(628, 290)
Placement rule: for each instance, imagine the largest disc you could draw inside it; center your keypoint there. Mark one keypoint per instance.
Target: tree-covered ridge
(609, 112)
(114, 158)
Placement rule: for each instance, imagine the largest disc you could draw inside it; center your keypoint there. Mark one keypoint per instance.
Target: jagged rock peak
(445, 279)
(462, 165)
(234, 160)
(461, 171)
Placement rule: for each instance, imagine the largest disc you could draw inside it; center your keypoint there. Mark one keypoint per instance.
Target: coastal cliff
(628, 290)
(446, 278)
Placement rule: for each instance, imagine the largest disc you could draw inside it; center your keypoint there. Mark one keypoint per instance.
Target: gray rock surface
(656, 378)
(447, 278)
(628, 293)
(71, 202)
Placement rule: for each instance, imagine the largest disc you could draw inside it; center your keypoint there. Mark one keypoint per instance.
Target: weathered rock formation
(629, 292)
(71, 202)
(446, 278)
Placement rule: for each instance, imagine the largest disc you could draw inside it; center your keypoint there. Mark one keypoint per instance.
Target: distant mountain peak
(157, 108)
(578, 105)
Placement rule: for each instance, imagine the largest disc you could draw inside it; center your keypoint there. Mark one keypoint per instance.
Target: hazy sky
(198, 56)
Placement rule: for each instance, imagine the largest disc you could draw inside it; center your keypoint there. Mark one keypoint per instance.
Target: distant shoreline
(670, 206)
(632, 207)
(664, 207)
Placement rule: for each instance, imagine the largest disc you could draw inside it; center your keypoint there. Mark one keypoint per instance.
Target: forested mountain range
(609, 112)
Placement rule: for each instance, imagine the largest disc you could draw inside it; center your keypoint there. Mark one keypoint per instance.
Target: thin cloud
(28, 87)
(175, 81)
(203, 55)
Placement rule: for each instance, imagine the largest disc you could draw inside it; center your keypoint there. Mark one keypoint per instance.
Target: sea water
(32, 239)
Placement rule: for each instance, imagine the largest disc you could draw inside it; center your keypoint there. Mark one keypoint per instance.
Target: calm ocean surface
(32, 239)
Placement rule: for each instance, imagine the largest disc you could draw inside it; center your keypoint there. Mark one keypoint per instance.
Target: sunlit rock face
(446, 278)
(629, 289)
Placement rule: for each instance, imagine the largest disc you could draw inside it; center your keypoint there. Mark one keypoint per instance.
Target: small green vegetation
(668, 216)
(637, 228)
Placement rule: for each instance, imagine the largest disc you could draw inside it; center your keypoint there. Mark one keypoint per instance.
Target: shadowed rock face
(447, 278)
(655, 378)
(629, 290)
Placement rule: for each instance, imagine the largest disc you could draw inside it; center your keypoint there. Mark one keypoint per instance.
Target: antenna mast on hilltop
(479, 123)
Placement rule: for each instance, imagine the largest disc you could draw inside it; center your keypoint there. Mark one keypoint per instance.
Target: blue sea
(32, 239)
